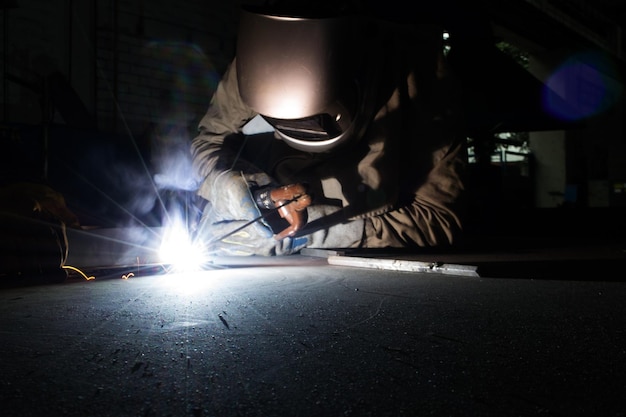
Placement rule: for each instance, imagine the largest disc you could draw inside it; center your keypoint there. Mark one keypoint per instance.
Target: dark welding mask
(298, 72)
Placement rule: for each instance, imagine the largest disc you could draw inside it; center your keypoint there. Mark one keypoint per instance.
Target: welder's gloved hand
(290, 201)
(232, 206)
(254, 239)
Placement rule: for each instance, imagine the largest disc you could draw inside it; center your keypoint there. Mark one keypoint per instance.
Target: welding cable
(88, 278)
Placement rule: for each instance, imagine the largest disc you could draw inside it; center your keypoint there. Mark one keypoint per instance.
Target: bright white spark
(180, 251)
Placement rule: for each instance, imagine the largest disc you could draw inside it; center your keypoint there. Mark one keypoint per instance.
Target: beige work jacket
(405, 175)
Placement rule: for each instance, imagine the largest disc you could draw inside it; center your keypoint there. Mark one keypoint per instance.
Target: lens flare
(180, 251)
(585, 85)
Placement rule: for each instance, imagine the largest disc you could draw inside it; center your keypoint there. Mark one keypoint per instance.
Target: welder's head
(297, 67)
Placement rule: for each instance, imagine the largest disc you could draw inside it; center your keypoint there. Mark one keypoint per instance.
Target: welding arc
(259, 218)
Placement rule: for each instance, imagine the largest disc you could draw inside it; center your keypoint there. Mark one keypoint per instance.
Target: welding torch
(290, 201)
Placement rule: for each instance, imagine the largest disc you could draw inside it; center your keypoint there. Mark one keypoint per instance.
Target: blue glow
(188, 68)
(585, 85)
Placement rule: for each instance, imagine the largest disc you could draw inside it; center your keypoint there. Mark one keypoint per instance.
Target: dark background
(100, 97)
(96, 93)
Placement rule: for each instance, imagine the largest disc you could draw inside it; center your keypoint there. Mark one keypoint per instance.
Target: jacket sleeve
(433, 150)
(434, 217)
(226, 115)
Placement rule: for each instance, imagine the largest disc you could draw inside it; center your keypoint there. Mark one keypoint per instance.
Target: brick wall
(159, 62)
(34, 42)
(134, 64)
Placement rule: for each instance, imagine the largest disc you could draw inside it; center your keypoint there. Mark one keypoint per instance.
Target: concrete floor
(540, 332)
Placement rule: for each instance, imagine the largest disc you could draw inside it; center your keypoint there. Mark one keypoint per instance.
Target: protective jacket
(403, 178)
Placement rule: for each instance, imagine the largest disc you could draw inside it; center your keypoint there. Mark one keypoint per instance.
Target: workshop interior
(100, 100)
(103, 314)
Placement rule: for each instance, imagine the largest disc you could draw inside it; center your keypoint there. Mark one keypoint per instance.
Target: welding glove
(232, 208)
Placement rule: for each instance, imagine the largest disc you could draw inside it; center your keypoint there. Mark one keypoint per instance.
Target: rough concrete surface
(310, 339)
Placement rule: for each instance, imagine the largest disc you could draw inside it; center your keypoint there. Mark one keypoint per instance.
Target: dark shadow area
(107, 180)
(578, 244)
(609, 270)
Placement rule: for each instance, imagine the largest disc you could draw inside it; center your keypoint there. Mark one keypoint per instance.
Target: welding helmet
(298, 72)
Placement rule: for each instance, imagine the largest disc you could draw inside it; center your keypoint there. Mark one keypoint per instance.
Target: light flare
(180, 251)
(585, 85)
(188, 283)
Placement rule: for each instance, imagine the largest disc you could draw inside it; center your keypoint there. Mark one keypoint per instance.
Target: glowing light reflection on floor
(181, 251)
(189, 282)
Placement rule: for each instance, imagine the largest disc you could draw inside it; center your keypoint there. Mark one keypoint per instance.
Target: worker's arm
(434, 216)
(228, 182)
(226, 116)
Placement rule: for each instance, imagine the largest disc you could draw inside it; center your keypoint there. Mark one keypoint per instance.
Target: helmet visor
(299, 74)
(292, 67)
(320, 132)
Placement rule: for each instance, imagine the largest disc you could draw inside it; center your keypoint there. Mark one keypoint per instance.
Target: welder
(332, 128)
